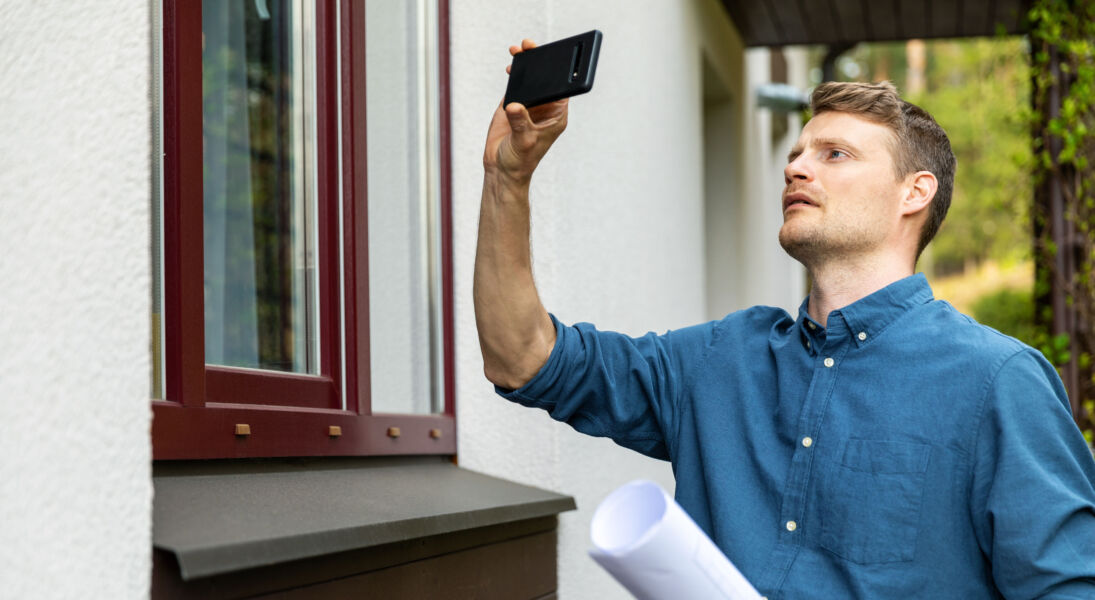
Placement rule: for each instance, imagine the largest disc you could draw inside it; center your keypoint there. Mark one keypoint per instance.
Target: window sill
(221, 517)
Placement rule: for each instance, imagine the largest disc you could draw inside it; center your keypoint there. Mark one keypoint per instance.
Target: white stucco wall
(75, 488)
(617, 210)
(770, 276)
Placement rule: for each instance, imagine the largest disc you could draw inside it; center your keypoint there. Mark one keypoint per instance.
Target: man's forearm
(515, 333)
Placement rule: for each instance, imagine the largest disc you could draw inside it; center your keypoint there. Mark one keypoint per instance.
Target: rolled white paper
(655, 550)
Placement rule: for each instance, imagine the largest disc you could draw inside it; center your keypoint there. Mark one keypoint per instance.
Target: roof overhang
(846, 22)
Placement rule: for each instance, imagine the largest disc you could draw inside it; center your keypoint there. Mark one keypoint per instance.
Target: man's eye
(837, 154)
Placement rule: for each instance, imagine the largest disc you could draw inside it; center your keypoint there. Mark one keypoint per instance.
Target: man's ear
(920, 190)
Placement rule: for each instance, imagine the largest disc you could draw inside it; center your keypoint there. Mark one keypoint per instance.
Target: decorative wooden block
(393, 432)
(243, 429)
(334, 431)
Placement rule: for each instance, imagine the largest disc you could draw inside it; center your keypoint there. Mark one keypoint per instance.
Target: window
(302, 300)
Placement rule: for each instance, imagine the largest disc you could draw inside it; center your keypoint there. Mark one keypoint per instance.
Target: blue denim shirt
(904, 451)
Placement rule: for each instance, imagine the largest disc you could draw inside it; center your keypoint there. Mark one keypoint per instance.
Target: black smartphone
(554, 71)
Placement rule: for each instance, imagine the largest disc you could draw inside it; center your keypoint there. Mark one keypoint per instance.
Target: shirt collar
(867, 317)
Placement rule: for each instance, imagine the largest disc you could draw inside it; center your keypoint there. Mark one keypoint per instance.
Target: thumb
(518, 117)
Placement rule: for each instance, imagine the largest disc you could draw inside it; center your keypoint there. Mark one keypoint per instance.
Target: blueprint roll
(655, 550)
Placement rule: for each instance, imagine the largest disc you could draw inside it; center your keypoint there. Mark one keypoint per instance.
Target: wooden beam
(883, 21)
(945, 15)
(851, 17)
(754, 23)
(787, 17)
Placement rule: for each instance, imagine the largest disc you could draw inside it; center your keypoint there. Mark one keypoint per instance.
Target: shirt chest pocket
(869, 500)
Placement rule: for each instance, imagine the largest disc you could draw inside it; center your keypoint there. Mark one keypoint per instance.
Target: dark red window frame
(287, 414)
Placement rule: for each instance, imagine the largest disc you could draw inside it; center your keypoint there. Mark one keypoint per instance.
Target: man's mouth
(797, 199)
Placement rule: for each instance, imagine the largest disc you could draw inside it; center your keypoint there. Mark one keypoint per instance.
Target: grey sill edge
(220, 517)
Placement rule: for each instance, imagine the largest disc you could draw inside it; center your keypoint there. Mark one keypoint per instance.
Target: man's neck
(836, 285)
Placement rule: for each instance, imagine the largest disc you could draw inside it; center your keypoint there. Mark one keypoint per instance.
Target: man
(879, 445)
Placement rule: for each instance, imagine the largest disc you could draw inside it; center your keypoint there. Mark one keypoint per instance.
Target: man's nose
(798, 168)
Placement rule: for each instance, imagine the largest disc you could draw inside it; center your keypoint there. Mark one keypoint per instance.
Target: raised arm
(515, 333)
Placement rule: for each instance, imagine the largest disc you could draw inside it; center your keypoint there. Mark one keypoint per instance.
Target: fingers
(526, 44)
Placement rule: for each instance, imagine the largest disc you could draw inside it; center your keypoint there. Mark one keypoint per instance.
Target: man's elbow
(515, 372)
(503, 377)
(512, 369)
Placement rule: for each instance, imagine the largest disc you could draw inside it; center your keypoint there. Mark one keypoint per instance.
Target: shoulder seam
(987, 387)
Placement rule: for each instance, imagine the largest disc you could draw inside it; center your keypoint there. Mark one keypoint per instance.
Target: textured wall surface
(617, 211)
(75, 488)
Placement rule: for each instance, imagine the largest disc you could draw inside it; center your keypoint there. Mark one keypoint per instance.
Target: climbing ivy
(1065, 30)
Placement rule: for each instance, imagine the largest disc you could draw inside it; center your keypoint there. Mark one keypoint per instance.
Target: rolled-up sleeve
(608, 384)
(1033, 499)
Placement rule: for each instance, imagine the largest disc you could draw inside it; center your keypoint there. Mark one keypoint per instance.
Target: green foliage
(974, 89)
(1063, 36)
(1009, 311)
(1057, 348)
(1012, 312)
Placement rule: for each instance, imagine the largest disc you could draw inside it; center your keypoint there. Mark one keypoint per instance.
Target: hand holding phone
(554, 71)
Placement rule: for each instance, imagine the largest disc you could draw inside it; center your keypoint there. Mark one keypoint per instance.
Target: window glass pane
(402, 132)
(258, 99)
(156, 226)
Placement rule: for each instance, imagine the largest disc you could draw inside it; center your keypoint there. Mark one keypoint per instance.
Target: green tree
(979, 91)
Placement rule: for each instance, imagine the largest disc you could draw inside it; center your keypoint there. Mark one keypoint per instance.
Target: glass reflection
(259, 199)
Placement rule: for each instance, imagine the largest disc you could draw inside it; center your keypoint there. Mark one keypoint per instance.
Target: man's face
(841, 198)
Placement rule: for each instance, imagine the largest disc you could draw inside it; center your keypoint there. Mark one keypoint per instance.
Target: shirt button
(807, 344)
(862, 335)
(829, 362)
(791, 526)
(807, 441)
(811, 325)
